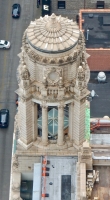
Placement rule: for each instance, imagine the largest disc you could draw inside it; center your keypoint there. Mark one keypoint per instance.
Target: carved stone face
(81, 76)
(25, 74)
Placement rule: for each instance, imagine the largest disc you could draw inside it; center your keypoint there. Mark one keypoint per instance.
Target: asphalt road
(12, 30)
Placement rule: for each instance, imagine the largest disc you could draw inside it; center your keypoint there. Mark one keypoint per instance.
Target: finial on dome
(53, 15)
(53, 25)
(53, 20)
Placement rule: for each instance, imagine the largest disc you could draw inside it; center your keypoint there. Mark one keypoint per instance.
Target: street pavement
(12, 30)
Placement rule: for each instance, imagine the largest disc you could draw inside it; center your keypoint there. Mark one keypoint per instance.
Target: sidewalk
(38, 11)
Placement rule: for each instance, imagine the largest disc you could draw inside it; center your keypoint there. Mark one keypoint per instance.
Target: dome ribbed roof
(53, 33)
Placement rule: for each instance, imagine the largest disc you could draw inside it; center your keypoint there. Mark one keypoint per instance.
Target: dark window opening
(61, 4)
(100, 4)
(77, 19)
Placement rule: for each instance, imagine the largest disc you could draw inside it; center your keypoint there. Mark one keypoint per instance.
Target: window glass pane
(53, 121)
(50, 114)
(65, 124)
(50, 127)
(49, 120)
(61, 4)
(55, 113)
(55, 127)
(40, 122)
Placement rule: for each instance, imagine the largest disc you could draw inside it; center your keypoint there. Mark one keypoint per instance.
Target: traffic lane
(9, 85)
(6, 158)
(8, 80)
(5, 34)
(5, 134)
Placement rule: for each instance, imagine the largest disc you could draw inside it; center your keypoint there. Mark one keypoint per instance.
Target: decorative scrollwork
(81, 74)
(15, 163)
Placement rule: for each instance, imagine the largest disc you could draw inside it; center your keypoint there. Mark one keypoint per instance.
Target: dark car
(4, 118)
(16, 9)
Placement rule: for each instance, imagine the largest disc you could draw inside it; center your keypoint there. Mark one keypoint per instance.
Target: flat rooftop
(101, 189)
(61, 182)
(96, 28)
(95, 24)
(100, 105)
(100, 139)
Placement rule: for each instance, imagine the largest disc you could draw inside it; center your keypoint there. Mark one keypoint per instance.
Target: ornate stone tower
(52, 77)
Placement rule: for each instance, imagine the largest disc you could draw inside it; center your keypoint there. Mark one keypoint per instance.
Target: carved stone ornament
(80, 85)
(80, 74)
(38, 58)
(45, 81)
(15, 163)
(73, 82)
(52, 61)
(83, 56)
(61, 60)
(44, 105)
(25, 75)
(53, 75)
(16, 196)
(83, 100)
(69, 58)
(34, 57)
(16, 187)
(45, 60)
(61, 105)
(60, 82)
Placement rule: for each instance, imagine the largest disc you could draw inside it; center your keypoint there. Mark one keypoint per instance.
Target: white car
(4, 44)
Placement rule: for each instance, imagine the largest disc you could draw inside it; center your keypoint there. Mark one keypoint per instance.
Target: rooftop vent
(90, 15)
(101, 77)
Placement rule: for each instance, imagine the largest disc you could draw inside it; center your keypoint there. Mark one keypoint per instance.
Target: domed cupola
(52, 75)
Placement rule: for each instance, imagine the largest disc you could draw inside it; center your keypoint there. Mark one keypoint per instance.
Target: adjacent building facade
(95, 24)
(71, 8)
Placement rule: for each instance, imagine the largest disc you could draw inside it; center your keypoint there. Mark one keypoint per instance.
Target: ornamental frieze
(64, 59)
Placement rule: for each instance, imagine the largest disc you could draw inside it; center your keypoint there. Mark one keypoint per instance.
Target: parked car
(4, 44)
(16, 10)
(4, 118)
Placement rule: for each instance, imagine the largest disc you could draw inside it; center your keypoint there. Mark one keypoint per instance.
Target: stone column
(71, 110)
(79, 122)
(85, 156)
(25, 123)
(44, 125)
(35, 117)
(60, 141)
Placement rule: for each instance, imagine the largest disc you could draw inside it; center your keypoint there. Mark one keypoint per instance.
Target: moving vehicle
(4, 44)
(16, 10)
(4, 118)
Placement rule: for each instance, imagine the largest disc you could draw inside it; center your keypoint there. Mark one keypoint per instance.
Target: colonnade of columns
(60, 140)
(76, 125)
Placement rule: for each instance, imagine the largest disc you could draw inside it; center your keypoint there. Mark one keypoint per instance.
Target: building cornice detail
(57, 60)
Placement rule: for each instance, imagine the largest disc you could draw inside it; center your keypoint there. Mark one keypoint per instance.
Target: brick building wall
(99, 59)
(72, 7)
